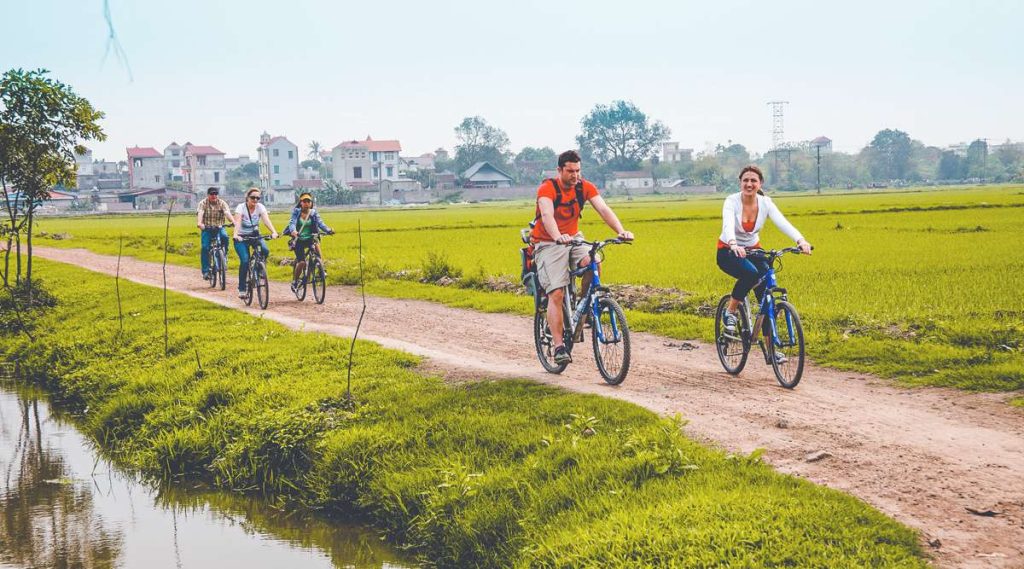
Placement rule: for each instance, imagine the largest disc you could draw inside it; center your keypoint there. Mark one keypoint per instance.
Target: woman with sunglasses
(248, 215)
(304, 224)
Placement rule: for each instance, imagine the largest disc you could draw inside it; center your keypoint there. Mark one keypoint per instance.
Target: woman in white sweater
(743, 216)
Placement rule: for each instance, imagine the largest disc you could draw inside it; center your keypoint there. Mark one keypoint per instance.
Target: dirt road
(923, 456)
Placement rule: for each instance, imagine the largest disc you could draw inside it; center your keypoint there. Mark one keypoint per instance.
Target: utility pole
(778, 134)
(817, 150)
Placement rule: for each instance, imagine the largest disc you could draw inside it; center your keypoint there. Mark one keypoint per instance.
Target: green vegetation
(923, 286)
(475, 474)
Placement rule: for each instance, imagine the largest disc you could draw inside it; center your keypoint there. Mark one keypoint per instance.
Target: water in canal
(63, 506)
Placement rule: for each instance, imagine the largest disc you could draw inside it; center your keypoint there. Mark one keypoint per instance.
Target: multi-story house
(279, 167)
(365, 163)
(146, 168)
(203, 168)
(174, 160)
(670, 153)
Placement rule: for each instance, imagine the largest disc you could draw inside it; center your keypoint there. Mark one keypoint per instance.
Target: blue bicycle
(609, 332)
(776, 328)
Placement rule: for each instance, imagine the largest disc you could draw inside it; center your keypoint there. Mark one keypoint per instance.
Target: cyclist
(743, 216)
(211, 217)
(305, 222)
(248, 215)
(560, 202)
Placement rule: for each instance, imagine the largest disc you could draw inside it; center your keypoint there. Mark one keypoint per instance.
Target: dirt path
(922, 456)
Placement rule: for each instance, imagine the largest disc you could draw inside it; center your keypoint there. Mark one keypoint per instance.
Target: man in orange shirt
(559, 204)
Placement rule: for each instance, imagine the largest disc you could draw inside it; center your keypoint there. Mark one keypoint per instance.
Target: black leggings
(746, 271)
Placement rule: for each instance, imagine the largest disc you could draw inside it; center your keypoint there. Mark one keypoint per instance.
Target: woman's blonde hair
(251, 190)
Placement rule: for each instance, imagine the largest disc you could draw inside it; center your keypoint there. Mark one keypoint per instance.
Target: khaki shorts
(553, 261)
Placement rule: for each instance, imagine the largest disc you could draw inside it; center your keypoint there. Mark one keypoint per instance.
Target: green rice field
(925, 286)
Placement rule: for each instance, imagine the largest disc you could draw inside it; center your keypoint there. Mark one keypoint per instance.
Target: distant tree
(889, 155)
(314, 151)
(620, 135)
(313, 164)
(951, 166)
(250, 170)
(334, 193)
(479, 141)
(530, 163)
(42, 125)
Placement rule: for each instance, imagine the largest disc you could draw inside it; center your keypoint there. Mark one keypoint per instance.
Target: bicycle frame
(587, 301)
(767, 306)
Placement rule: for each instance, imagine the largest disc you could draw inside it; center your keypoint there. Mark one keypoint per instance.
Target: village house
(365, 163)
(485, 175)
(279, 167)
(146, 168)
(203, 168)
(630, 180)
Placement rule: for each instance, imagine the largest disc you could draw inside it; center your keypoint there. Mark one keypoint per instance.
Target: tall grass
(923, 286)
(506, 473)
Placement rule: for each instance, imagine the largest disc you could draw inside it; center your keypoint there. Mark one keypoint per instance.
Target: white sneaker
(780, 358)
(241, 294)
(730, 322)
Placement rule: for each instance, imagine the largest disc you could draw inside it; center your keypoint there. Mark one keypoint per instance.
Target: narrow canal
(62, 505)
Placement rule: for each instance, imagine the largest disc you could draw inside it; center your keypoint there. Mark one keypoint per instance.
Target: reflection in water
(62, 506)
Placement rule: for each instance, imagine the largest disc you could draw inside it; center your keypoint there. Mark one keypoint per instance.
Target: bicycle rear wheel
(222, 268)
(262, 287)
(542, 338)
(732, 349)
(788, 342)
(611, 341)
(318, 278)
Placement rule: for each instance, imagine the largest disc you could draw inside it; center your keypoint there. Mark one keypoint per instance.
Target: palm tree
(314, 151)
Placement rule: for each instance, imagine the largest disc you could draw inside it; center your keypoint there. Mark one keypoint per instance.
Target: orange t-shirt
(567, 215)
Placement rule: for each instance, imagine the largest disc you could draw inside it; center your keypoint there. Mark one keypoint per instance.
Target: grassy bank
(506, 473)
(914, 285)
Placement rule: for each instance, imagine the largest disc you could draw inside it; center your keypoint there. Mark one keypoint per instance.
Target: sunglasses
(257, 198)
(306, 201)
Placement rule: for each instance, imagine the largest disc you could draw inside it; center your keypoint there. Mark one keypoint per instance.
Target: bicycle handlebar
(773, 253)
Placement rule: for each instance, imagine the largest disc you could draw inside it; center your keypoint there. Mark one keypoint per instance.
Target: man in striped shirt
(212, 216)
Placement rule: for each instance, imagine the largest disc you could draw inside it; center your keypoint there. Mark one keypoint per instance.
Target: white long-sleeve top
(732, 221)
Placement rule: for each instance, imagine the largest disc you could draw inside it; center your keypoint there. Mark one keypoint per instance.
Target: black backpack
(558, 199)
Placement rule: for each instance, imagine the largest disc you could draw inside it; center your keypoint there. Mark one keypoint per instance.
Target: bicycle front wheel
(250, 283)
(787, 345)
(214, 272)
(318, 278)
(611, 341)
(300, 287)
(262, 287)
(734, 348)
(222, 268)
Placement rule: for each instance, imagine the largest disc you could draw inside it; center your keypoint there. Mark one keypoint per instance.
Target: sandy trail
(922, 456)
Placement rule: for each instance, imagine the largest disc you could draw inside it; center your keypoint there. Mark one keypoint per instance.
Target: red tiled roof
(146, 152)
(373, 145)
(276, 138)
(202, 150)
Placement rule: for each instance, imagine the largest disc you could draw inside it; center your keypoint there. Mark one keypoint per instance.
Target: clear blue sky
(222, 72)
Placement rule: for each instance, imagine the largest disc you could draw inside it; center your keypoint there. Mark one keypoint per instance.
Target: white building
(146, 168)
(366, 163)
(203, 168)
(174, 161)
(630, 180)
(670, 152)
(279, 167)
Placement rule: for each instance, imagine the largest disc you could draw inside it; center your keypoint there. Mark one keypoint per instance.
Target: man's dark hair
(212, 190)
(568, 156)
